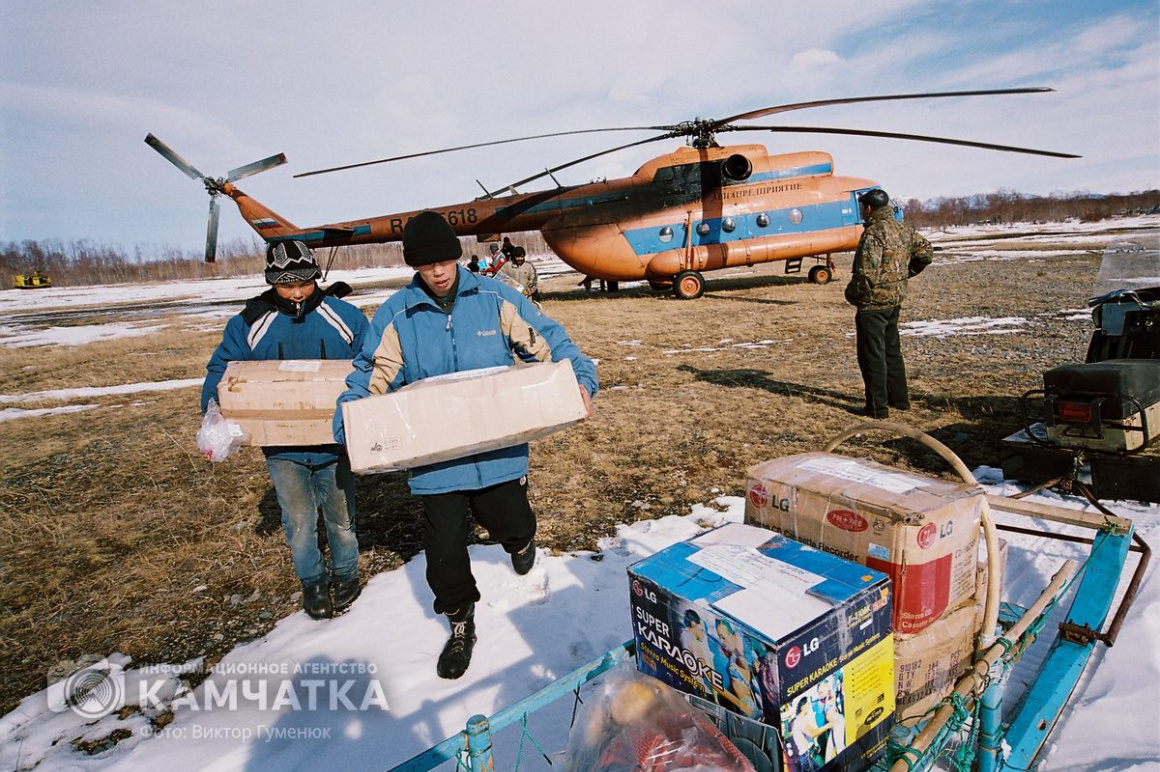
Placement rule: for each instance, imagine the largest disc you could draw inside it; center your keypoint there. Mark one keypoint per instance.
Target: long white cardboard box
(460, 414)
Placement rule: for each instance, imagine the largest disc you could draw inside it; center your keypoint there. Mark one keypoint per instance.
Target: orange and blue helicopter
(700, 208)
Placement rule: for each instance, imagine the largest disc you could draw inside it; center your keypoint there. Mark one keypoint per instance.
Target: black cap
(874, 198)
(288, 262)
(427, 238)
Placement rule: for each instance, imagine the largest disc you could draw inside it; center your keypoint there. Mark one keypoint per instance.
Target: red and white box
(921, 531)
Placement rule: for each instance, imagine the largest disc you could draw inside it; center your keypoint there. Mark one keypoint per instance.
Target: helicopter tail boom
(266, 223)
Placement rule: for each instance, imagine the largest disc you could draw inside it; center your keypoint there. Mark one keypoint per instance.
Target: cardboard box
(449, 417)
(922, 532)
(284, 401)
(760, 624)
(927, 665)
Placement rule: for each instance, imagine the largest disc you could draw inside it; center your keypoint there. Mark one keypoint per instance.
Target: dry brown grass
(117, 536)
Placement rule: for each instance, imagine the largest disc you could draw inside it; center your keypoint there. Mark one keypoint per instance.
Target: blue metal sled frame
(475, 740)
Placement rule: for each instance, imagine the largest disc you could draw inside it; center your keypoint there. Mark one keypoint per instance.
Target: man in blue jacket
(450, 320)
(296, 319)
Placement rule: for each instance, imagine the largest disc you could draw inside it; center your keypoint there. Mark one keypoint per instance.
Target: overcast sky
(226, 82)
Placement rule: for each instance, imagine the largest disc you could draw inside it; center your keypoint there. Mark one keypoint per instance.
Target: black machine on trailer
(1104, 413)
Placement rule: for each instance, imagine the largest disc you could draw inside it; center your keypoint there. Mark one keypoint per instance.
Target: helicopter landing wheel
(820, 274)
(689, 285)
(612, 286)
(660, 286)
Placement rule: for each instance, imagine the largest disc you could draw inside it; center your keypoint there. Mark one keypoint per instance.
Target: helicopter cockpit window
(685, 177)
(795, 216)
(666, 234)
(703, 229)
(763, 220)
(728, 225)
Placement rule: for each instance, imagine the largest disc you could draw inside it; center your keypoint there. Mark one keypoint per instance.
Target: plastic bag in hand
(218, 436)
(635, 723)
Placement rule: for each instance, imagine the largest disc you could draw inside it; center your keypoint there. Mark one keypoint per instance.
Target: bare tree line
(83, 263)
(1008, 206)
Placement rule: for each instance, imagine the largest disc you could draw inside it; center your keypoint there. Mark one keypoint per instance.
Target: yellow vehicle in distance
(34, 280)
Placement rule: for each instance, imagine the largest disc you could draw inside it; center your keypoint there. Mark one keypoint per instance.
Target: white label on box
(748, 568)
(878, 551)
(850, 470)
(300, 366)
(776, 615)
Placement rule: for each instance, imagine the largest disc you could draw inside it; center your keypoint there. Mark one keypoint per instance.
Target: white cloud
(812, 59)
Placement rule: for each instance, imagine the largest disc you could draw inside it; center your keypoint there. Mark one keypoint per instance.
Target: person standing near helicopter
(523, 273)
(889, 253)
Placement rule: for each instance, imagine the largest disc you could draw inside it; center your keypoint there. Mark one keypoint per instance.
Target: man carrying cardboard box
(296, 319)
(451, 320)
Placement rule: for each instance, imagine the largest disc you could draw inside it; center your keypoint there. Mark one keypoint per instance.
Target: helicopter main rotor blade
(882, 98)
(173, 158)
(548, 172)
(257, 166)
(211, 231)
(898, 135)
(480, 144)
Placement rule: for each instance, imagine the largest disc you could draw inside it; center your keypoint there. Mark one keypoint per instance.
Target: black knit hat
(427, 238)
(874, 198)
(288, 262)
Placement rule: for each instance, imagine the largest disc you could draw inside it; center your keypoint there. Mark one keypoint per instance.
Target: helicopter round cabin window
(763, 220)
(666, 234)
(703, 229)
(795, 216)
(728, 225)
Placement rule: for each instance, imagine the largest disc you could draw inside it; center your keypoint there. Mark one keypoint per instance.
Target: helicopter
(699, 208)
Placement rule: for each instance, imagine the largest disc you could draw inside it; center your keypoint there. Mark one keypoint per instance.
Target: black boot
(345, 592)
(316, 600)
(523, 560)
(456, 655)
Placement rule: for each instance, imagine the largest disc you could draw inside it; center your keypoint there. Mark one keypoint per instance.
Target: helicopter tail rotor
(214, 186)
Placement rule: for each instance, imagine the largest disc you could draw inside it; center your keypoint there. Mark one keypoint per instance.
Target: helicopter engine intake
(737, 167)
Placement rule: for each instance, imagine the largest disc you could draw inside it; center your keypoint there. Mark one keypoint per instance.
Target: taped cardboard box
(774, 631)
(283, 402)
(928, 664)
(449, 417)
(922, 532)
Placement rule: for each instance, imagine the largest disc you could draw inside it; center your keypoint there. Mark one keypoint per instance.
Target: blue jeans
(302, 491)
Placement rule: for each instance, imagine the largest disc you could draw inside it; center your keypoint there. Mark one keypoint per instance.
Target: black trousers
(502, 509)
(880, 359)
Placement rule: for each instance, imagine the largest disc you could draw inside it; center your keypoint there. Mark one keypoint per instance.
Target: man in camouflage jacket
(889, 253)
(523, 274)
